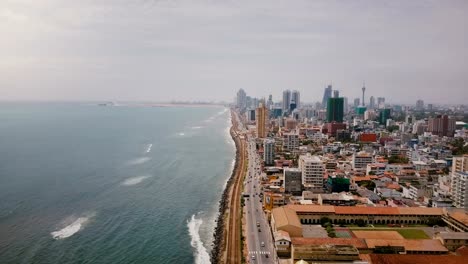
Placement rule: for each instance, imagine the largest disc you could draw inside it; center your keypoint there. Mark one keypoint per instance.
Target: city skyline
(184, 50)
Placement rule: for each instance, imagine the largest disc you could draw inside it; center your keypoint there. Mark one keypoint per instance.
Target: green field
(412, 233)
(406, 233)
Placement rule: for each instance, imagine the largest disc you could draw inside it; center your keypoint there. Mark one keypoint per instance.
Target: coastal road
(259, 237)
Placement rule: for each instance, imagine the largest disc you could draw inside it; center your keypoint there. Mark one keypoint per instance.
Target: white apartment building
(269, 151)
(312, 171)
(459, 181)
(361, 159)
(460, 163)
(459, 189)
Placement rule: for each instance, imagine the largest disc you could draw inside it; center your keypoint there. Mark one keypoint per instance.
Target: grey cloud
(180, 49)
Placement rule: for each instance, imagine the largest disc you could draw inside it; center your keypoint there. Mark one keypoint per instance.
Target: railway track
(233, 251)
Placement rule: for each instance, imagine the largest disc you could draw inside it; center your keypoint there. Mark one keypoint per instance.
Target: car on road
(259, 230)
(263, 244)
(253, 257)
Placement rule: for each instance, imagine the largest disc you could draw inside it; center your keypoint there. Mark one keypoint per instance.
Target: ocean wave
(134, 180)
(222, 112)
(196, 127)
(200, 252)
(148, 149)
(139, 161)
(71, 229)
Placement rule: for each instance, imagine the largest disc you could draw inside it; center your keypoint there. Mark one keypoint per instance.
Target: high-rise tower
(363, 92)
(327, 94)
(295, 100)
(286, 100)
(261, 117)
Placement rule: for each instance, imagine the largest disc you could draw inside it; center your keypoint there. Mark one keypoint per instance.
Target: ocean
(81, 183)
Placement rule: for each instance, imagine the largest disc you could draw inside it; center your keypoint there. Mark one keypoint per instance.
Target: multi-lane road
(259, 238)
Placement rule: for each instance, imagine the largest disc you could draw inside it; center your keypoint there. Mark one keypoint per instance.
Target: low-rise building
(453, 240)
(286, 219)
(311, 214)
(282, 243)
(361, 159)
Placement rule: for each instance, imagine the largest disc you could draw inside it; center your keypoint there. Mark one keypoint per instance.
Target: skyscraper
(356, 102)
(335, 109)
(371, 102)
(270, 102)
(336, 93)
(261, 117)
(326, 94)
(419, 105)
(241, 100)
(295, 100)
(345, 104)
(286, 100)
(381, 102)
(384, 115)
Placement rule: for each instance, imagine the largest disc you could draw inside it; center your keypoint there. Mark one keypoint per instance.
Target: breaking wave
(134, 180)
(71, 229)
(148, 149)
(138, 161)
(200, 252)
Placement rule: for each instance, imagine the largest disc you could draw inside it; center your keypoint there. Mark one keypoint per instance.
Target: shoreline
(219, 231)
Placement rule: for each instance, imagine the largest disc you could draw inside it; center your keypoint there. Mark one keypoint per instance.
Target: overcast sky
(160, 50)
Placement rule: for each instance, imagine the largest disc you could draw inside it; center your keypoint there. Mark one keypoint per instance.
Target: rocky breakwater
(219, 232)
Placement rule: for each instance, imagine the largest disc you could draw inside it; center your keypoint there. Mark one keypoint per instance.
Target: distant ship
(107, 104)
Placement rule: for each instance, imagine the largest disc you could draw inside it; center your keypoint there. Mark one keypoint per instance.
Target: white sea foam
(134, 180)
(181, 134)
(196, 127)
(71, 229)
(148, 149)
(200, 252)
(138, 161)
(222, 112)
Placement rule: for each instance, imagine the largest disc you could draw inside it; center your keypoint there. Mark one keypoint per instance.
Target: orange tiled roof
(416, 259)
(361, 178)
(420, 211)
(393, 186)
(312, 208)
(409, 244)
(357, 242)
(366, 210)
(460, 217)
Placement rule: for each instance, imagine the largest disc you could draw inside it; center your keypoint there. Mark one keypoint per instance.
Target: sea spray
(200, 252)
(72, 228)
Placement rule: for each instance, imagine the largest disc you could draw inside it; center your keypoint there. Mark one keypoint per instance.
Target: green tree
(360, 222)
(324, 220)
